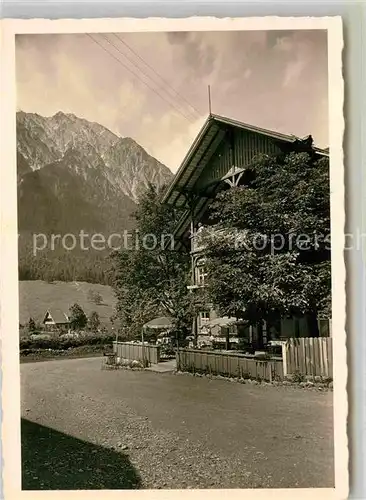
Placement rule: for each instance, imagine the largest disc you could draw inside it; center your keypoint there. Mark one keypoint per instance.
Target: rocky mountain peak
(86, 159)
(59, 114)
(76, 175)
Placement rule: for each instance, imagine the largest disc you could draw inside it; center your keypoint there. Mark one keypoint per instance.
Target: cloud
(277, 80)
(173, 151)
(247, 73)
(293, 72)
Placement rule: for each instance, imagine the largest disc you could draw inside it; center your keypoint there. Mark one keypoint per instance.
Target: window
(204, 317)
(201, 276)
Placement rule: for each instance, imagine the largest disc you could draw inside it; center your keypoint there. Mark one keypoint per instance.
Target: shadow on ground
(52, 460)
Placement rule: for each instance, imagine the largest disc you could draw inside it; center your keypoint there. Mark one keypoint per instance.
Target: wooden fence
(229, 364)
(308, 356)
(138, 352)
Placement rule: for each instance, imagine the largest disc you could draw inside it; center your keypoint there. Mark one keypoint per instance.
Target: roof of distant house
(57, 315)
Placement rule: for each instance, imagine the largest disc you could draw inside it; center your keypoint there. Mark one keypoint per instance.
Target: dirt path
(88, 428)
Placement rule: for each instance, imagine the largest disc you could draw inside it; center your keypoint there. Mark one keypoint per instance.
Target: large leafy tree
(269, 252)
(78, 318)
(151, 275)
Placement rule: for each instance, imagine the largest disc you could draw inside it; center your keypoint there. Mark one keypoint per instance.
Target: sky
(153, 87)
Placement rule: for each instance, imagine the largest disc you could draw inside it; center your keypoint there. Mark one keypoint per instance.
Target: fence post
(284, 359)
(326, 363)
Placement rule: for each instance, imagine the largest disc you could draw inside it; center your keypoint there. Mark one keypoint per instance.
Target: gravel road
(87, 428)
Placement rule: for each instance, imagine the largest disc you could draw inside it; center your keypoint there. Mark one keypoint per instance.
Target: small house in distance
(55, 319)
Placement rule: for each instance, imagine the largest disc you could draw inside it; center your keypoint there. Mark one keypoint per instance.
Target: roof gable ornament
(209, 99)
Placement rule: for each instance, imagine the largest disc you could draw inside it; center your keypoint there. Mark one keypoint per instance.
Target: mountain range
(77, 175)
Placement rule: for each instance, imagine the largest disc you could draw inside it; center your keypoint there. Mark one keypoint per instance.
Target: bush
(40, 336)
(94, 296)
(64, 336)
(39, 343)
(297, 377)
(96, 338)
(24, 333)
(65, 341)
(133, 364)
(45, 353)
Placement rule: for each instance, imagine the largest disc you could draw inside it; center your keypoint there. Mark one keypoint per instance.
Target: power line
(172, 90)
(157, 74)
(136, 75)
(145, 74)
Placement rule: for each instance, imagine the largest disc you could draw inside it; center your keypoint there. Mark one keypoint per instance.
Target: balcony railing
(207, 234)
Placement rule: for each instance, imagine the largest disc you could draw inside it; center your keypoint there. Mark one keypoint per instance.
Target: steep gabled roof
(57, 315)
(204, 146)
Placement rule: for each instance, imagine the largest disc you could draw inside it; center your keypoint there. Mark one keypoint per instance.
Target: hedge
(64, 343)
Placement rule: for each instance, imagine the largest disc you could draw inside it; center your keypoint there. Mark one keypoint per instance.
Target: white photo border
(9, 281)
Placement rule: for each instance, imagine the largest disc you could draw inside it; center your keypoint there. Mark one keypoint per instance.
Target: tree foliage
(269, 252)
(95, 297)
(59, 264)
(151, 276)
(31, 325)
(94, 321)
(78, 319)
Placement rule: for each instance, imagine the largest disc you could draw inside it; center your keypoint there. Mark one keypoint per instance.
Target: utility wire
(157, 74)
(171, 92)
(136, 75)
(145, 74)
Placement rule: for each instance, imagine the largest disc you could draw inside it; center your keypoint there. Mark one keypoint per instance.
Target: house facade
(56, 319)
(218, 160)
